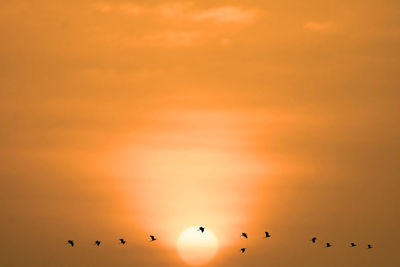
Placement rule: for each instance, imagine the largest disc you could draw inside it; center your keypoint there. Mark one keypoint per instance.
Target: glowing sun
(195, 247)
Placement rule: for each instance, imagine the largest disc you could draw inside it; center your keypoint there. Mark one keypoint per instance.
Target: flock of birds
(202, 229)
(98, 242)
(313, 240)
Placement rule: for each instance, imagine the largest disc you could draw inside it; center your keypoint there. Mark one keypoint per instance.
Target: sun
(195, 247)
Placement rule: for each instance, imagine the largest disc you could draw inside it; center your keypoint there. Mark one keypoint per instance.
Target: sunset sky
(128, 118)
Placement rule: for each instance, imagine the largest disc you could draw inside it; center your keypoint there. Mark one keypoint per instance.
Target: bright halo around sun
(195, 247)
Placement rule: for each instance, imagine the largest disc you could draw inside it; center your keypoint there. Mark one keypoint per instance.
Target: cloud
(320, 26)
(172, 38)
(223, 14)
(131, 9)
(126, 8)
(103, 7)
(173, 10)
(226, 14)
(177, 24)
(183, 11)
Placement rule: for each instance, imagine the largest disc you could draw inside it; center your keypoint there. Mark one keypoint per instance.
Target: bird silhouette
(353, 244)
(244, 234)
(328, 245)
(71, 242)
(201, 228)
(243, 250)
(152, 238)
(97, 243)
(369, 246)
(313, 239)
(267, 235)
(123, 241)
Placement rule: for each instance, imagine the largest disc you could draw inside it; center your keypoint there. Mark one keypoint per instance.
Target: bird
(243, 250)
(71, 242)
(244, 234)
(123, 241)
(328, 245)
(201, 228)
(152, 238)
(369, 246)
(352, 244)
(314, 239)
(267, 235)
(97, 243)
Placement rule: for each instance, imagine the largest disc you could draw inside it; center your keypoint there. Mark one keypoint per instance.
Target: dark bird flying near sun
(353, 244)
(267, 235)
(97, 243)
(243, 250)
(152, 238)
(313, 239)
(328, 245)
(244, 234)
(201, 228)
(71, 242)
(123, 241)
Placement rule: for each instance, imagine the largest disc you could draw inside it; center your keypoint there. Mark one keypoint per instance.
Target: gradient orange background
(130, 118)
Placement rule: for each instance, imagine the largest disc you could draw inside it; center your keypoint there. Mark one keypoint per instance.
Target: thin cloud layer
(186, 11)
(226, 14)
(317, 26)
(172, 38)
(169, 18)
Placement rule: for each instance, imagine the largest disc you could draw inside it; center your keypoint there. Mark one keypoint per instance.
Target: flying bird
(201, 228)
(97, 243)
(244, 234)
(328, 245)
(353, 244)
(71, 242)
(369, 246)
(123, 241)
(243, 250)
(313, 239)
(267, 235)
(152, 238)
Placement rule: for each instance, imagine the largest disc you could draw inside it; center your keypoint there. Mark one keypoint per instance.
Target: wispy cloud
(172, 38)
(131, 9)
(103, 7)
(183, 11)
(226, 14)
(317, 26)
(173, 10)
(125, 8)
(198, 23)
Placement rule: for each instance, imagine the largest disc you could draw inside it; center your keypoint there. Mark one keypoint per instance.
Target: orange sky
(130, 118)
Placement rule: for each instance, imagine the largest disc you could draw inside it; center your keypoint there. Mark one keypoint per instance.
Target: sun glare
(195, 247)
